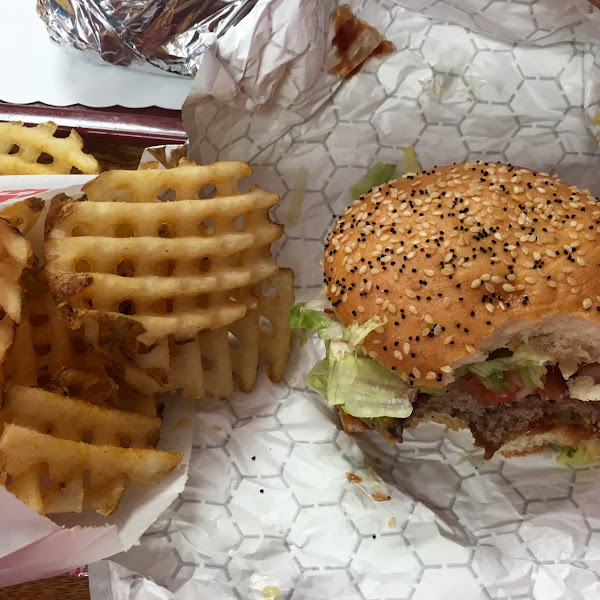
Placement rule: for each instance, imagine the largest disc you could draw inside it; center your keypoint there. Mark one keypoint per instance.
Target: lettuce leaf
(368, 389)
(355, 334)
(318, 377)
(411, 164)
(295, 210)
(492, 372)
(309, 320)
(577, 457)
(379, 173)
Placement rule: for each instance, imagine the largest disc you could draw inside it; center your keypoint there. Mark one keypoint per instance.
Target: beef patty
(491, 426)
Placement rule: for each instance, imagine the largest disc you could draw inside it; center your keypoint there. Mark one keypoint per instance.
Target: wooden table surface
(65, 587)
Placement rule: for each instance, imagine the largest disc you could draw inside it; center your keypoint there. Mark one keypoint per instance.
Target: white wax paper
(33, 546)
(268, 511)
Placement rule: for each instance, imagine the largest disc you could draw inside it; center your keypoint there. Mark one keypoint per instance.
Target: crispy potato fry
(15, 257)
(54, 475)
(36, 151)
(215, 361)
(274, 305)
(24, 214)
(146, 257)
(71, 419)
(47, 352)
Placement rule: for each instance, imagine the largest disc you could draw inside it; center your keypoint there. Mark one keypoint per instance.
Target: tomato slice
(489, 397)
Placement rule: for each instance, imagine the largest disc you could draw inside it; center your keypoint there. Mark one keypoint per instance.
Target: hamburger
(468, 295)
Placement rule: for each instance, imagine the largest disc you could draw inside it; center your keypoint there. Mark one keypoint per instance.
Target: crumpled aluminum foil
(168, 34)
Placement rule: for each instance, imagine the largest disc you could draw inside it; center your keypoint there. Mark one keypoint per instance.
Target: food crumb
(353, 478)
(392, 522)
(380, 497)
(271, 592)
(183, 422)
(216, 428)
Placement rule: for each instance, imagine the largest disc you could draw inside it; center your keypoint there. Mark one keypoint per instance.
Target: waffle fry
(71, 419)
(216, 361)
(177, 265)
(15, 256)
(53, 475)
(24, 214)
(274, 332)
(47, 352)
(36, 151)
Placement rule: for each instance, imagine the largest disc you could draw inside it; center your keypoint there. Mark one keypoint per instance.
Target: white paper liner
(268, 510)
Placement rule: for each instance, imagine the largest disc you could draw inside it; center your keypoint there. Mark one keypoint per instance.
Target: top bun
(464, 259)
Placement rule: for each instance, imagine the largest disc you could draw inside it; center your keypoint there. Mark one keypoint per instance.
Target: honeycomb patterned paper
(269, 510)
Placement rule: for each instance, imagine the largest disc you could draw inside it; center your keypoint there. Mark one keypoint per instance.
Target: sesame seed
(429, 319)
(430, 375)
(416, 372)
(410, 293)
(429, 272)
(551, 284)
(397, 355)
(470, 349)
(446, 302)
(412, 309)
(571, 281)
(496, 279)
(372, 354)
(406, 347)
(587, 303)
(446, 369)
(489, 307)
(447, 271)
(475, 283)
(508, 288)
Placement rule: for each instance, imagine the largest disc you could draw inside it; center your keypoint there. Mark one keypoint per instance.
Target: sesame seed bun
(464, 259)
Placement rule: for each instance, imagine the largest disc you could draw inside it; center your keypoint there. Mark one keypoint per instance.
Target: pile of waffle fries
(151, 281)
